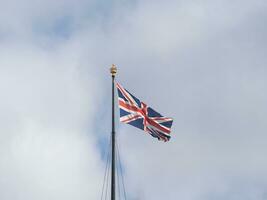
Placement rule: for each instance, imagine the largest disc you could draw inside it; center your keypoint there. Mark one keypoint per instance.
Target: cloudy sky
(203, 63)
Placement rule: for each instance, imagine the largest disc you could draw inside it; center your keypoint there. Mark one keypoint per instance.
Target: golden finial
(113, 70)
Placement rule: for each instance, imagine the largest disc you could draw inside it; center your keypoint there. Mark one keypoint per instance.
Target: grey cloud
(203, 64)
(212, 80)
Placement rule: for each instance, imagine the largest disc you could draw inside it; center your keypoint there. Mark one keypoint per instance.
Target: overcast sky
(203, 63)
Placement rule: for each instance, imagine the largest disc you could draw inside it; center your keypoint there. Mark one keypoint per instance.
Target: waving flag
(138, 114)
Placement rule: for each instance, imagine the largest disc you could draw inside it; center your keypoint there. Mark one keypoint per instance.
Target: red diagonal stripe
(125, 94)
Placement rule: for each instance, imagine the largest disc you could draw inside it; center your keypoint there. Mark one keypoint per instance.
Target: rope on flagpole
(118, 180)
(106, 174)
(120, 168)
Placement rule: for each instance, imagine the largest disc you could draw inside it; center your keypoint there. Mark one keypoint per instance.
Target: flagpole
(113, 71)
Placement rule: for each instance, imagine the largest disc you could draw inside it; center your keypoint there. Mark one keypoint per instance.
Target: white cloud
(48, 149)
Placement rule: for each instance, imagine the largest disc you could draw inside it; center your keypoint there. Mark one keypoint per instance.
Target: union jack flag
(138, 114)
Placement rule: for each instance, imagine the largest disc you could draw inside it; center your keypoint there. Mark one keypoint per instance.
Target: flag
(138, 114)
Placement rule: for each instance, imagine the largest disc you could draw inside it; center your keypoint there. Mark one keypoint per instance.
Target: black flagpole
(113, 71)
